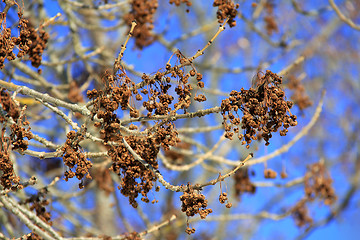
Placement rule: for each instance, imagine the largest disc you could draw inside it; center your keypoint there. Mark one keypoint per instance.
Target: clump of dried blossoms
(193, 203)
(30, 42)
(318, 183)
(264, 109)
(19, 130)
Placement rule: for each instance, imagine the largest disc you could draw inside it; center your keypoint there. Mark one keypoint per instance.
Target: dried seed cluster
(6, 47)
(74, 94)
(8, 178)
(8, 106)
(142, 11)
(269, 173)
(270, 21)
(264, 110)
(226, 8)
(299, 96)
(318, 183)
(20, 129)
(242, 182)
(74, 158)
(223, 198)
(38, 204)
(179, 2)
(18, 133)
(159, 100)
(135, 178)
(194, 203)
(300, 213)
(30, 42)
(132, 236)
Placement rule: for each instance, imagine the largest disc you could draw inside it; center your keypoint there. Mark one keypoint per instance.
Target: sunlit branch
(117, 63)
(49, 21)
(222, 177)
(45, 97)
(199, 113)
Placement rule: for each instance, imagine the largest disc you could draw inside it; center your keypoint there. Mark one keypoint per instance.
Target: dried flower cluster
(38, 203)
(264, 110)
(74, 158)
(300, 213)
(132, 236)
(8, 177)
(135, 178)
(269, 19)
(8, 107)
(269, 173)
(318, 183)
(18, 133)
(242, 182)
(223, 198)
(30, 42)
(194, 203)
(142, 11)
(226, 9)
(179, 2)
(16, 140)
(299, 96)
(119, 91)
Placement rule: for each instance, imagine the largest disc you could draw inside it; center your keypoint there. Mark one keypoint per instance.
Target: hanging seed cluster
(135, 178)
(179, 2)
(120, 92)
(8, 178)
(224, 198)
(38, 204)
(271, 25)
(300, 213)
(74, 157)
(318, 183)
(226, 9)
(30, 42)
(142, 11)
(299, 96)
(194, 203)
(9, 109)
(264, 111)
(242, 182)
(19, 130)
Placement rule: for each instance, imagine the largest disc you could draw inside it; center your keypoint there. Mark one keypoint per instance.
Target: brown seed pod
(269, 173)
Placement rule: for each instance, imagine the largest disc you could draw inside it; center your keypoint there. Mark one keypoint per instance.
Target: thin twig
(345, 19)
(117, 63)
